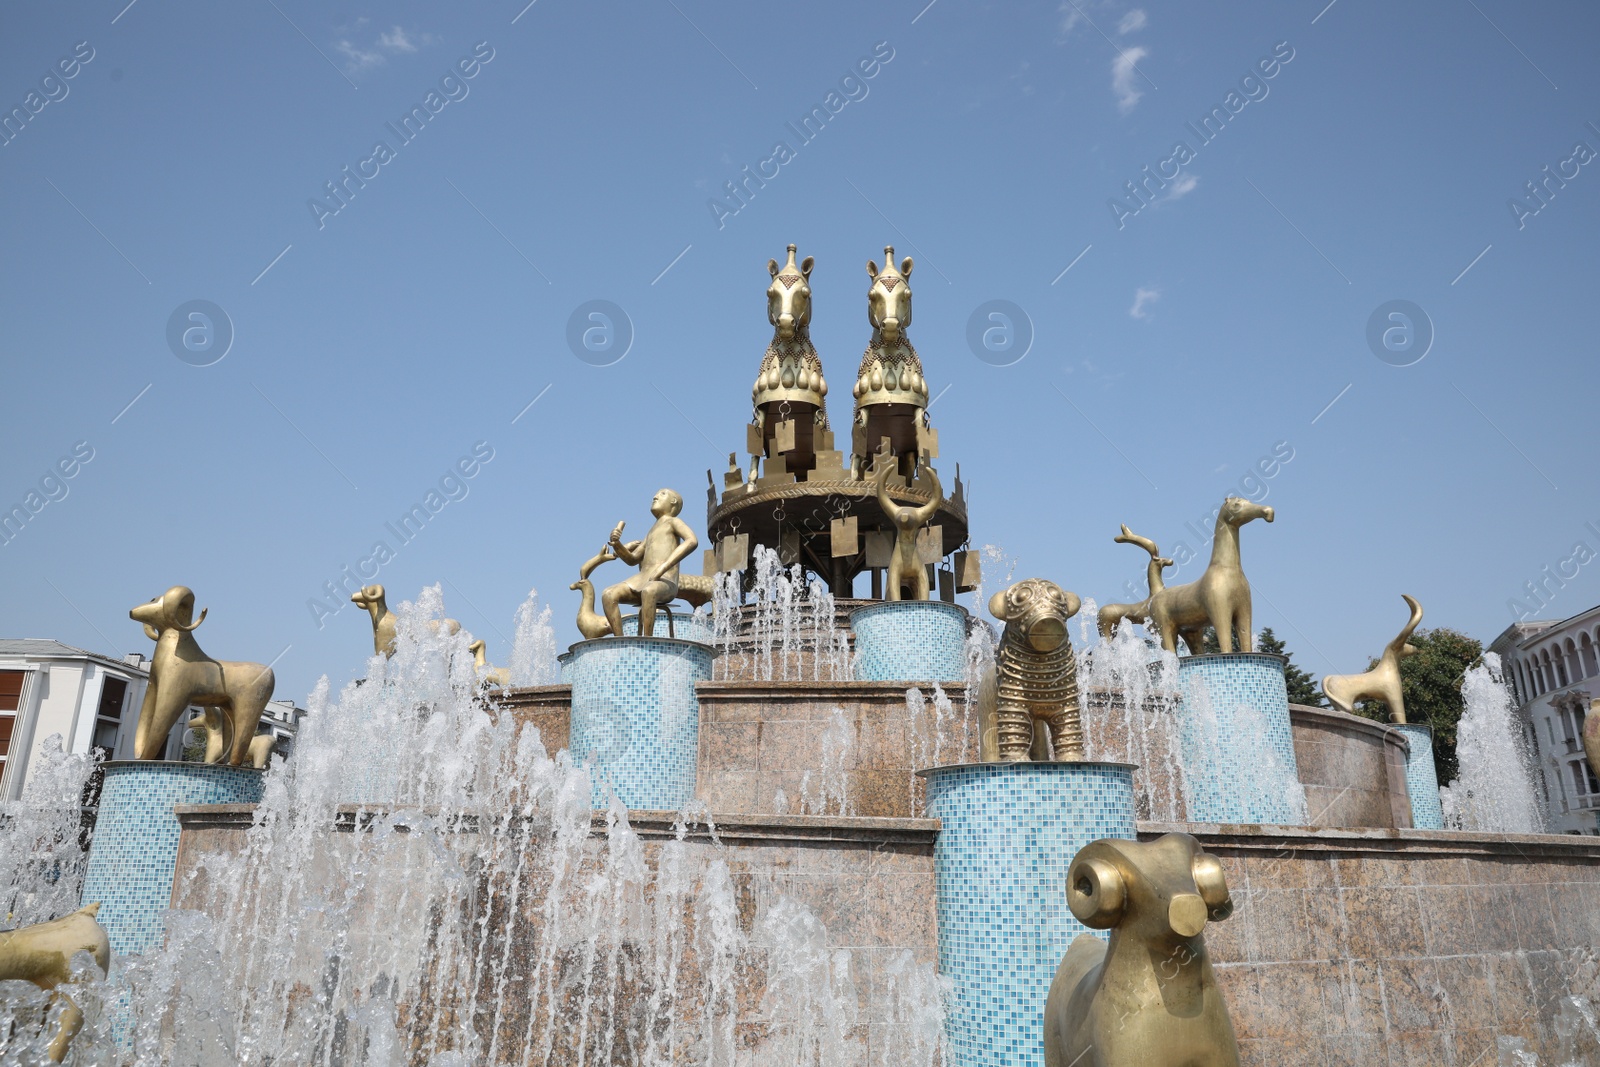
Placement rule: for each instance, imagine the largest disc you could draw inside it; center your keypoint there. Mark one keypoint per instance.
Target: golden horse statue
(1220, 596)
(1382, 682)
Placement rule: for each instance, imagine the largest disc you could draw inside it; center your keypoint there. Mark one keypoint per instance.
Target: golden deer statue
(1382, 682)
(1220, 596)
(1112, 614)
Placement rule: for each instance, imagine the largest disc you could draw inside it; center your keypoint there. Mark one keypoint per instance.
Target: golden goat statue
(42, 954)
(1382, 682)
(373, 599)
(181, 674)
(219, 738)
(1148, 998)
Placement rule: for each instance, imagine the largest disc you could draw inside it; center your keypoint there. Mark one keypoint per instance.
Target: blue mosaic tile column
(635, 717)
(1009, 832)
(1422, 780)
(685, 627)
(134, 853)
(1237, 744)
(910, 641)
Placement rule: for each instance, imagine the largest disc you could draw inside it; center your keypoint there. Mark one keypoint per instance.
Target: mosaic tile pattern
(910, 641)
(635, 717)
(563, 667)
(685, 627)
(135, 848)
(1422, 780)
(1009, 833)
(1238, 746)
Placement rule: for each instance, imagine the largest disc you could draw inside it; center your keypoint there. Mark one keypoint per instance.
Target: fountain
(811, 829)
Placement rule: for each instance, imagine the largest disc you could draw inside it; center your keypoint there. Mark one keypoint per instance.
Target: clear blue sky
(1375, 164)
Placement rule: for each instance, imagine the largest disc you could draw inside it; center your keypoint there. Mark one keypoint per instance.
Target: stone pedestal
(684, 626)
(1009, 832)
(635, 719)
(1422, 780)
(135, 848)
(1236, 741)
(910, 641)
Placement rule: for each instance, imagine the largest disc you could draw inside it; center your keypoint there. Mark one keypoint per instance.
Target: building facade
(1553, 669)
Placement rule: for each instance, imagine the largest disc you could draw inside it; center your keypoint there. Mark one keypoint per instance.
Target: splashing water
(832, 796)
(466, 911)
(42, 859)
(1494, 789)
(1130, 705)
(533, 650)
(788, 630)
(1243, 738)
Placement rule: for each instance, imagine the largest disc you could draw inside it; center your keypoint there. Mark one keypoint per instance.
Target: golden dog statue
(182, 674)
(1220, 596)
(42, 954)
(1148, 998)
(1381, 682)
(1036, 672)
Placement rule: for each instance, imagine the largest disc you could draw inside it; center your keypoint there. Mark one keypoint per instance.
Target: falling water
(931, 736)
(1129, 688)
(828, 793)
(533, 650)
(468, 912)
(1494, 789)
(787, 631)
(41, 838)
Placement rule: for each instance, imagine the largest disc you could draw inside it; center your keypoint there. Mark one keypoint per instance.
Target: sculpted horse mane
(791, 369)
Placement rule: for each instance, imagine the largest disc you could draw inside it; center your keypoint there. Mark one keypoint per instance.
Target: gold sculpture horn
(193, 626)
(1096, 892)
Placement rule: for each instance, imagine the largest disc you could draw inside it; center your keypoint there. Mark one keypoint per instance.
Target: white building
(92, 701)
(1553, 669)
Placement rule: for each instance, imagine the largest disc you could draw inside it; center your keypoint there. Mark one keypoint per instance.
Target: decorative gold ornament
(890, 392)
(657, 556)
(498, 677)
(1220, 597)
(904, 566)
(1112, 614)
(219, 739)
(1036, 672)
(42, 954)
(181, 675)
(1149, 998)
(1381, 682)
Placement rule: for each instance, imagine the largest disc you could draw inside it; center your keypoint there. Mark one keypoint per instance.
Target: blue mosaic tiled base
(135, 849)
(563, 663)
(1008, 835)
(635, 717)
(1422, 780)
(1238, 759)
(910, 641)
(685, 627)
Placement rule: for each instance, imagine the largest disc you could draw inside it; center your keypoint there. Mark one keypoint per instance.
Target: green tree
(1430, 681)
(1302, 687)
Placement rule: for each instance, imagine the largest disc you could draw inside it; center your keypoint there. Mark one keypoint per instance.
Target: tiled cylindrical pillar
(910, 641)
(684, 626)
(135, 849)
(1422, 780)
(1237, 745)
(1009, 832)
(635, 718)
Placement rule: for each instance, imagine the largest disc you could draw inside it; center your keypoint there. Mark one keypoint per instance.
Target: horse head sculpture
(889, 299)
(789, 297)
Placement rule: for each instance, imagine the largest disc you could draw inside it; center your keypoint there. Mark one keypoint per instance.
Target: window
(108, 716)
(10, 700)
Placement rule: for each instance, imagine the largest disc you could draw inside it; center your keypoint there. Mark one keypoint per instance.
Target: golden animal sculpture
(1381, 682)
(219, 738)
(904, 566)
(890, 392)
(42, 954)
(499, 677)
(657, 556)
(1148, 998)
(590, 624)
(181, 675)
(1112, 614)
(1220, 596)
(372, 598)
(1036, 672)
(789, 384)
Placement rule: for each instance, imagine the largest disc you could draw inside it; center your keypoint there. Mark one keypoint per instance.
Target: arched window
(1570, 658)
(1591, 664)
(1562, 679)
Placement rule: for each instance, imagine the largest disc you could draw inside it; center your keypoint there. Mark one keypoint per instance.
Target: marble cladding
(546, 707)
(1422, 778)
(1008, 832)
(684, 626)
(635, 718)
(1235, 707)
(910, 641)
(1353, 769)
(136, 840)
(761, 746)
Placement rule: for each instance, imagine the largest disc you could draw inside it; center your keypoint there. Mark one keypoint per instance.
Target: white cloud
(1071, 15)
(1132, 21)
(1141, 297)
(1123, 73)
(393, 42)
(1181, 187)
